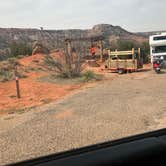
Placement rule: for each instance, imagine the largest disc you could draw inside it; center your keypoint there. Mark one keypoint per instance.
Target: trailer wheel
(120, 71)
(130, 71)
(157, 71)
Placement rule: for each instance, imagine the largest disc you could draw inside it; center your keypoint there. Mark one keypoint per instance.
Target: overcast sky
(133, 15)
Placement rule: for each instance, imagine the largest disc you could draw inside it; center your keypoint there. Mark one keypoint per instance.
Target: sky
(133, 15)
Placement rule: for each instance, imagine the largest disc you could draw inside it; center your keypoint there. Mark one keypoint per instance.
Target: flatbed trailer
(124, 61)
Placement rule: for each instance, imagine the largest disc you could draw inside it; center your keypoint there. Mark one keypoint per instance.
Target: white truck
(158, 51)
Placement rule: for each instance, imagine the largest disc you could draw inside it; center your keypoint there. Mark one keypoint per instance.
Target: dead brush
(69, 68)
(9, 69)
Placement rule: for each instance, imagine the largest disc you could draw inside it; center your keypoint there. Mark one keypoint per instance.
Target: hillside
(54, 39)
(147, 34)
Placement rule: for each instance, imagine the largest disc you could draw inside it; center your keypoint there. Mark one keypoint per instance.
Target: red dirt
(39, 59)
(33, 92)
(30, 60)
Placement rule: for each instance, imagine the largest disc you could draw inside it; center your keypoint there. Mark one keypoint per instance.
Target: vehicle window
(160, 38)
(160, 49)
(79, 73)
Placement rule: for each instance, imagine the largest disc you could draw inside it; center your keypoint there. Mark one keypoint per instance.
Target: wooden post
(17, 82)
(101, 50)
(109, 58)
(133, 54)
(117, 60)
(91, 42)
(139, 53)
(68, 52)
(18, 87)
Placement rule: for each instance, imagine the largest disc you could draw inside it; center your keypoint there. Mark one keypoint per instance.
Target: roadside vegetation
(70, 67)
(91, 76)
(69, 70)
(20, 49)
(9, 69)
(84, 77)
(16, 50)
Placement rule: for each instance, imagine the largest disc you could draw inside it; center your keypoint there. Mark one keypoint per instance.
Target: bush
(18, 49)
(8, 70)
(90, 75)
(66, 69)
(145, 51)
(125, 45)
(6, 75)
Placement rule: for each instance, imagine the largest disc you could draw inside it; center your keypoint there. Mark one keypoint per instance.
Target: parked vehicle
(159, 64)
(158, 51)
(124, 61)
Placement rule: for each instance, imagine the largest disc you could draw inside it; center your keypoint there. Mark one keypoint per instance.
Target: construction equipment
(124, 61)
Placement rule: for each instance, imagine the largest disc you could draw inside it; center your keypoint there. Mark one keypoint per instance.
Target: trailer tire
(157, 71)
(120, 71)
(130, 71)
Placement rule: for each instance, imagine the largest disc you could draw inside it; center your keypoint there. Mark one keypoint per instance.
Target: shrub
(67, 69)
(18, 49)
(6, 75)
(9, 69)
(90, 75)
(125, 45)
(145, 51)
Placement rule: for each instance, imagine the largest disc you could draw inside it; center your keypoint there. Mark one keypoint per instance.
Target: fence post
(17, 82)
(17, 87)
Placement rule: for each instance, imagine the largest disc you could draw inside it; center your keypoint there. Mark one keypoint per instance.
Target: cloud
(134, 15)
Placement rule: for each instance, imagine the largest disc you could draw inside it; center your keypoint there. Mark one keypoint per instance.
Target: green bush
(10, 68)
(125, 45)
(18, 49)
(90, 75)
(145, 51)
(6, 75)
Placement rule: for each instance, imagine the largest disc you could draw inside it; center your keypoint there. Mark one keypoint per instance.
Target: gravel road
(128, 105)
